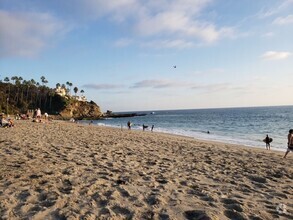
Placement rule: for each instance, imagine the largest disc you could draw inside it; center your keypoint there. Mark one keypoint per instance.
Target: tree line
(18, 95)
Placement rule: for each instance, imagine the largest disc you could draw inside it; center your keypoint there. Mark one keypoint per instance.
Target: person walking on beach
(144, 127)
(290, 142)
(152, 128)
(129, 125)
(268, 141)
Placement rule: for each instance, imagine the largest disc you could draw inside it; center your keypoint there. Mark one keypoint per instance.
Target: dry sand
(61, 170)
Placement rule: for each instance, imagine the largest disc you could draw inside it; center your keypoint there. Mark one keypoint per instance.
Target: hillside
(21, 96)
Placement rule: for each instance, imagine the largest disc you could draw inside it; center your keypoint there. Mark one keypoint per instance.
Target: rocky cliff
(81, 110)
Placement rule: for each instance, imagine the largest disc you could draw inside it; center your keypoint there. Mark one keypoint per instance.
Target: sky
(135, 55)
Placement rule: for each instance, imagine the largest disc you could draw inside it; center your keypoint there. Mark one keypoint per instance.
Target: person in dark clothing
(144, 127)
(268, 141)
(129, 125)
(290, 142)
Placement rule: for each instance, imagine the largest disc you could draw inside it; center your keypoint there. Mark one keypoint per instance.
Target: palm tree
(82, 96)
(45, 82)
(43, 79)
(70, 85)
(33, 83)
(38, 92)
(14, 78)
(28, 84)
(17, 83)
(24, 83)
(75, 89)
(45, 90)
(67, 89)
(51, 94)
(20, 79)
(7, 80)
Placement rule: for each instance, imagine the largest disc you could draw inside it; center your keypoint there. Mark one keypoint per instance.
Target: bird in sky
(174, 67)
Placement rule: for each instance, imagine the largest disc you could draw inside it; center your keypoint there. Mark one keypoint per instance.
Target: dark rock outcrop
(81, 110)
(109, 114)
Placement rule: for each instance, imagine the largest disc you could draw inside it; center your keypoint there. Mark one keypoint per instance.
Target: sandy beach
(62, 170)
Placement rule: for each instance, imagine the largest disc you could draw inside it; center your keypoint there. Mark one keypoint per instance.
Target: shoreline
(63, 170)
(192, 137)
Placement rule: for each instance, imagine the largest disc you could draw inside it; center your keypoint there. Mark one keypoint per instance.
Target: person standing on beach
(39, 113)
(152, 128)
(46, 116)
(35, 113)
(290, 142)
(129, 125)
(268, 141)
(144, 127)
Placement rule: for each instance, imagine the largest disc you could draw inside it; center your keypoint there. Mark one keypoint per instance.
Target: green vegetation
(18, 95)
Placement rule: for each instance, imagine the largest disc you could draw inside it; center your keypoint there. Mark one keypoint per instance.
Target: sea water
(244, 126)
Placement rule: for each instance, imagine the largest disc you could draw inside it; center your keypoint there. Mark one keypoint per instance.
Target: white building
(64, 93)
(61, 91)
(81, 98)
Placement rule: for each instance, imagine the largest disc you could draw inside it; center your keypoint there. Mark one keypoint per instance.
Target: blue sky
(227, 53)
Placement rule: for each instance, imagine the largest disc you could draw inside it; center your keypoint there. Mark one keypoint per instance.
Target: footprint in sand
(232, 214)
(123, 192)
(234, 209)
(34, 176)
(164, 216)
(89, 216)
(153, 200)
(58, 215)
(198, 214)
(23, 195)
(257, 179)
(47, 199)
(67, 187)
(122, 211)
(147, 215)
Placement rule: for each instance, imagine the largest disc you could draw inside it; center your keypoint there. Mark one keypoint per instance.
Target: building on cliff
(64, 93)
(61, 91)
(81, 98)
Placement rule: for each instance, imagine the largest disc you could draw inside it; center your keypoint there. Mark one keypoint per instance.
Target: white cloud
(168, 44)
(209, 72)
(180, 23)
(269, 34)
(159, 84)
(123, 42)
(102, 86)
(275, 9)
(160, 23)
(284, 20)
(213, 87)
(275, 55)
(166, 19)
(26, 34)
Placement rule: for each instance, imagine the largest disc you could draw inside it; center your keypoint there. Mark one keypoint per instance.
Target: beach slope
(60, 170)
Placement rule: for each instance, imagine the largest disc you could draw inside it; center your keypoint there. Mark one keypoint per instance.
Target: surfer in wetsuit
(268, 141)
(290, 142)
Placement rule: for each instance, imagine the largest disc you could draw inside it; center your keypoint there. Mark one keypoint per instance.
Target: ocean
(244, 126)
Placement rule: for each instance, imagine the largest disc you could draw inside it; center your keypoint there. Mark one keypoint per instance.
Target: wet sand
(62, 170)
